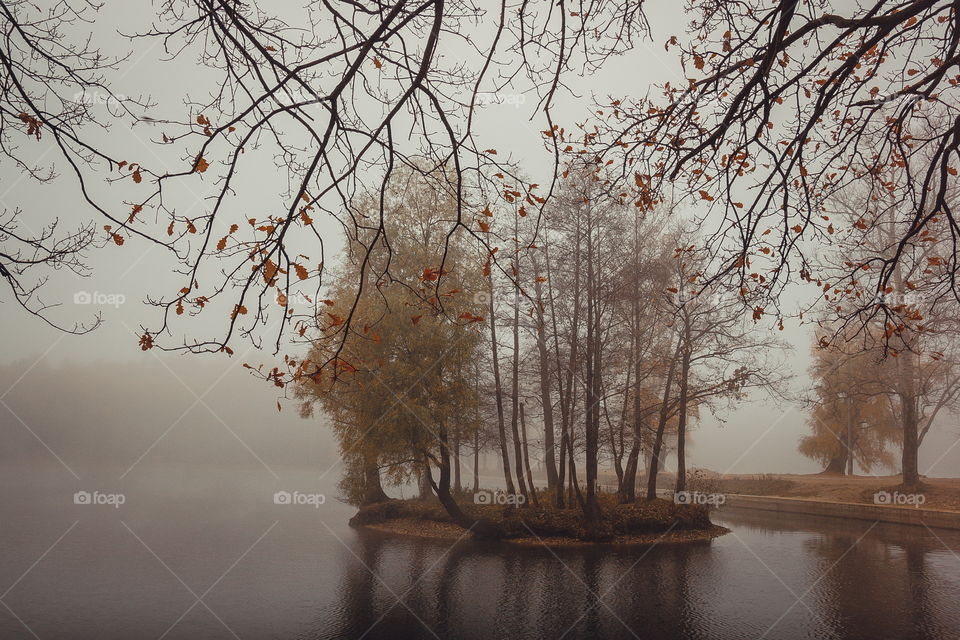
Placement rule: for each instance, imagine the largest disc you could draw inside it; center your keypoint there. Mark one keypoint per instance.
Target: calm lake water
(209, 555)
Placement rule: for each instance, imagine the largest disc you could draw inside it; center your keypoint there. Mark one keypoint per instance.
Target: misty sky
(759, 436)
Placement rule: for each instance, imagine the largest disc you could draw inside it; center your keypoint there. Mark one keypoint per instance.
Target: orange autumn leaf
(706, 196)
(200, 165)
(301, 271)
(415, 319)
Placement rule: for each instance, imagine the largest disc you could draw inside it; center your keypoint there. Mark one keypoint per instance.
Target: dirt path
(938, 493)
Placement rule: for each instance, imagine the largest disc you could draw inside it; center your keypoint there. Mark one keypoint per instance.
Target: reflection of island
(481, 590)
(889, 583)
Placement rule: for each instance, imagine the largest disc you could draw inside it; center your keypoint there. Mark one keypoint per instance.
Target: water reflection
(285, 573)
(774, 577)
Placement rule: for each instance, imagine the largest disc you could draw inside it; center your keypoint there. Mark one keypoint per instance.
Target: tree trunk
(424, 480)
(661, 427)
(681, 484)
(911, 450)
(480, 527)
(456, 464)
(373, 489)
(836, 465)
(515, 390)
(561, 472)
(628, 484)
(498, 394)
(549, 457)
(476, 461)
(592, 512)
(526, 458)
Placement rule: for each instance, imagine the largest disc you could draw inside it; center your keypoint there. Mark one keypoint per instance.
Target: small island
(638, 523)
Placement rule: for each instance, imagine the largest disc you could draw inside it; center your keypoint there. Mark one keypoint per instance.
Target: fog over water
(140, 488)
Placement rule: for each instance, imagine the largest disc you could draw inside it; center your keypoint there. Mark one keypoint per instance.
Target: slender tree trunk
(515, 390)
(456, 463)
(498, 394)
(526, 458)
(592, 399)
(476, 461)
(549, 456)
(566, 387)
(561, 472)
(907, 393)
(628, 485)
(661, 426)
(480, 527)
(681, 484)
